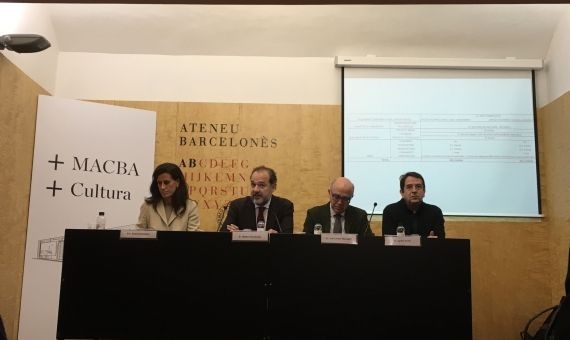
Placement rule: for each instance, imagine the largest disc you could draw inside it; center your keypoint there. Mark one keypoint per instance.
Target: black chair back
(2, 330)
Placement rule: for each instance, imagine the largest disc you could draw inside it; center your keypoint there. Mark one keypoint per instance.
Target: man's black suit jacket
(427, 218)
(241, 212)
(355, 220)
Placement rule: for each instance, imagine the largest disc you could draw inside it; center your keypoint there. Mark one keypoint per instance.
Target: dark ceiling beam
(297, 2)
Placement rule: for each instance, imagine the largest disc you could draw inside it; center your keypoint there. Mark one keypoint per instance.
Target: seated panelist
(337, 216)
(416, 216)
(169, 206)
(275, 212)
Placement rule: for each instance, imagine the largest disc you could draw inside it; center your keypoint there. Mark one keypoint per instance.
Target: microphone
(222, 217)
(370, 219)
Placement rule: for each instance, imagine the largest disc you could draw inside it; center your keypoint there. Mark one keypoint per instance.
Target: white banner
(87, 158)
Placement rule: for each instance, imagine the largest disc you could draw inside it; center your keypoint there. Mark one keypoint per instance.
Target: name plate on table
(142, 234)
(328, 238)
(403, 241)
(250, 236)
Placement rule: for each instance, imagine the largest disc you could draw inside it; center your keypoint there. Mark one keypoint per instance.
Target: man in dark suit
(411, 212)
(337, 216)
(262, 205)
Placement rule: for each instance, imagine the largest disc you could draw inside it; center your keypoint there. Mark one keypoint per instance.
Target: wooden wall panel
(509, 261)
(555, 121)
(18, 104)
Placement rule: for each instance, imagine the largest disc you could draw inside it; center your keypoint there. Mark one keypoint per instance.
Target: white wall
(17, 18)
(198, 78)
(208, 78)
(555, 77)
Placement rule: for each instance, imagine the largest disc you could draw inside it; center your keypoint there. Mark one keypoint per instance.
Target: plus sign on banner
(87, 158)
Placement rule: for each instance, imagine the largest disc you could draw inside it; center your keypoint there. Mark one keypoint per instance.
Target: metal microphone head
(375, 204)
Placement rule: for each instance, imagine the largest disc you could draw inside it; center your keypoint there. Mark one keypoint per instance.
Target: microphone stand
(370, 219)
(278, 224)
(221, 221)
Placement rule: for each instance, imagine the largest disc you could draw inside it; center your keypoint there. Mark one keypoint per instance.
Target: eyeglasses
(338, 197)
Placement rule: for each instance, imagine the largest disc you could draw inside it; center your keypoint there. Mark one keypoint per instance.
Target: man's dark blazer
(241, 212)
(355, 220)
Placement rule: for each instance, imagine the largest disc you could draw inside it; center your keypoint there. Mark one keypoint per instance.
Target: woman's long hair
(179, 197)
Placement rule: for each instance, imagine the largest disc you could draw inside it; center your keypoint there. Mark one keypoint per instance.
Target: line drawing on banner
(50, 249)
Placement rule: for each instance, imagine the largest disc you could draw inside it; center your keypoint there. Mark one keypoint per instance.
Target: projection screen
(470, 133)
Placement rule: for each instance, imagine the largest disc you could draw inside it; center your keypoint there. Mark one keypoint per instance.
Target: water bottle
(400, 230)
(100, 222)
(318, 229)
(260, 226)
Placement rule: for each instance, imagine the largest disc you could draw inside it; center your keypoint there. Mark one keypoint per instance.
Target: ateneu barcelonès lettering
(252, 142)
(209, 128)
(217, 138)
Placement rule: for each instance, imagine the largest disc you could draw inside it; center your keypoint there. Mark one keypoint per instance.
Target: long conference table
(203, 285)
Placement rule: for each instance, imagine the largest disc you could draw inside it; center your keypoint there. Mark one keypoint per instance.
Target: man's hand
(232, 227)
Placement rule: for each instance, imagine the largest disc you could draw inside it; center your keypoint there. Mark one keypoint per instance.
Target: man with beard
(412, 212)
(337, 216)
(261, 205)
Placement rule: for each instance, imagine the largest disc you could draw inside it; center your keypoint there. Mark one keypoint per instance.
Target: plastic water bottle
(318, 229)
(400, 230)
(100, 222)
(260, 226)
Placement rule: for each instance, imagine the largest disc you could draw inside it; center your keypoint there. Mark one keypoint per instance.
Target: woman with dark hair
(169, 207)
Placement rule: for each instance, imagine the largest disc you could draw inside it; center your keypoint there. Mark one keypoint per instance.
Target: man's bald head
(340, 194)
